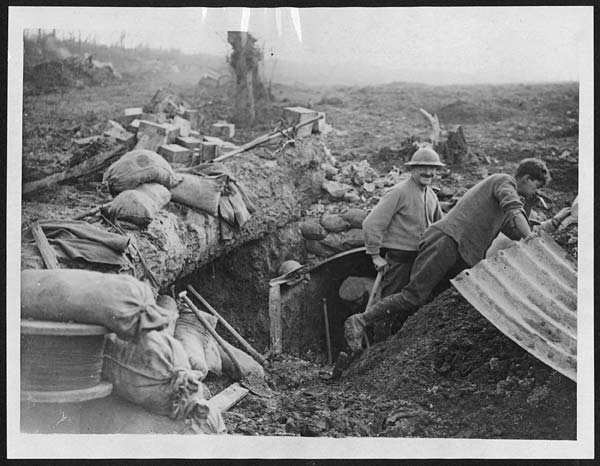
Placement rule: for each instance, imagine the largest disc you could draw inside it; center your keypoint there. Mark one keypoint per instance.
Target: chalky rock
(336, 189)
(351, 197)
(330, 170)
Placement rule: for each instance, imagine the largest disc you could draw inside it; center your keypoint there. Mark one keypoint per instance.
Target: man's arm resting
(521, 224)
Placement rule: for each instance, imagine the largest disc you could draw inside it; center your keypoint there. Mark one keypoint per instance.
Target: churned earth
(448, 372)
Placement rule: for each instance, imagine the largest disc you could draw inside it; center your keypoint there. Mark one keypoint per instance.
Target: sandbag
(312, 230)
(335, 242)
(317, 248)
(334, 223)
(120, 302)
(236, 186)
(248, 364)
(239, 207)
(356, 289)
(226, 210)
(153, 372)
(129, 418)
(170, 306)
(139, 205)
(353, 238)
(200, 346)
(200, 192)
(354, 217)
(206, 419)
(138, 167)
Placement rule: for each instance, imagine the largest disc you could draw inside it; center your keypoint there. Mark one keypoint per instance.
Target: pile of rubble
(169, 126)
(73, 71)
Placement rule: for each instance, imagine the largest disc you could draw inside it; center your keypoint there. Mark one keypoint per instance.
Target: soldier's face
(527, 186)
(423, 174)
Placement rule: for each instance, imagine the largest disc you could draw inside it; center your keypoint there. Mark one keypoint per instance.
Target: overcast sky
(520, 43)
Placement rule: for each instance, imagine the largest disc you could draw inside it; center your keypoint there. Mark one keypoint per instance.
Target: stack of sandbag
(211, 188)
(334, 233)
(141, 181)
(121, 303)
(153, 371)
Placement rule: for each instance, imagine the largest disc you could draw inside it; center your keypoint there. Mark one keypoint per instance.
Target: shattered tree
(244, 61)
(450, 145)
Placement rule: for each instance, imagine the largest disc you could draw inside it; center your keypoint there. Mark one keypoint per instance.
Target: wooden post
(327, 337)
(275, 318)
(44, 246)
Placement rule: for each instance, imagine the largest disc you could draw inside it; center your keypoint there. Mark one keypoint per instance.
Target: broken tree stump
(454, 149)
(244, 61)
(436, 131)
(450, 145)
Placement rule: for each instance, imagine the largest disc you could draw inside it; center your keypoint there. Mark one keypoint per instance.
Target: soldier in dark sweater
(458, 241)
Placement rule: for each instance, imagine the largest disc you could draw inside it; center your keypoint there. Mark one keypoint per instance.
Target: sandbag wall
(334, 232)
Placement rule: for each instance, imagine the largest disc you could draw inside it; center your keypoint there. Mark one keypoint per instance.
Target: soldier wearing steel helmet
(394, 227)
(457, 241)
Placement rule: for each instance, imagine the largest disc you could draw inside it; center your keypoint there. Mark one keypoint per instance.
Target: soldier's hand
(380, 263)
(562, 214)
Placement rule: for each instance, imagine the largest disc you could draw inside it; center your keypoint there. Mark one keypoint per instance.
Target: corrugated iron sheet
(529, 292)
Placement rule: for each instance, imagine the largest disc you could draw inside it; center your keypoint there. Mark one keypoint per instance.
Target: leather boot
(355, 325)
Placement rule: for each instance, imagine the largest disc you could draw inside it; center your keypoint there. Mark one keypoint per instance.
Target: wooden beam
(266, 138)
(247, 346)
(87, 167)
(227, 398)
(44, 246)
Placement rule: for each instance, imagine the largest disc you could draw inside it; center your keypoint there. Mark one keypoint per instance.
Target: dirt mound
(73, 71)
(447, 374)
(464, 378)
(462, 112)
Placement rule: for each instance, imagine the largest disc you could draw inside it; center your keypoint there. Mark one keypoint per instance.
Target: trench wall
(180, 239)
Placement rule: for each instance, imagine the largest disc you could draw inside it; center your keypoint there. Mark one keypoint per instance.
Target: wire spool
(61, 357)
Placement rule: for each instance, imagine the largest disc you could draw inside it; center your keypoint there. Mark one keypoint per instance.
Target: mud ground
(448, 373)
